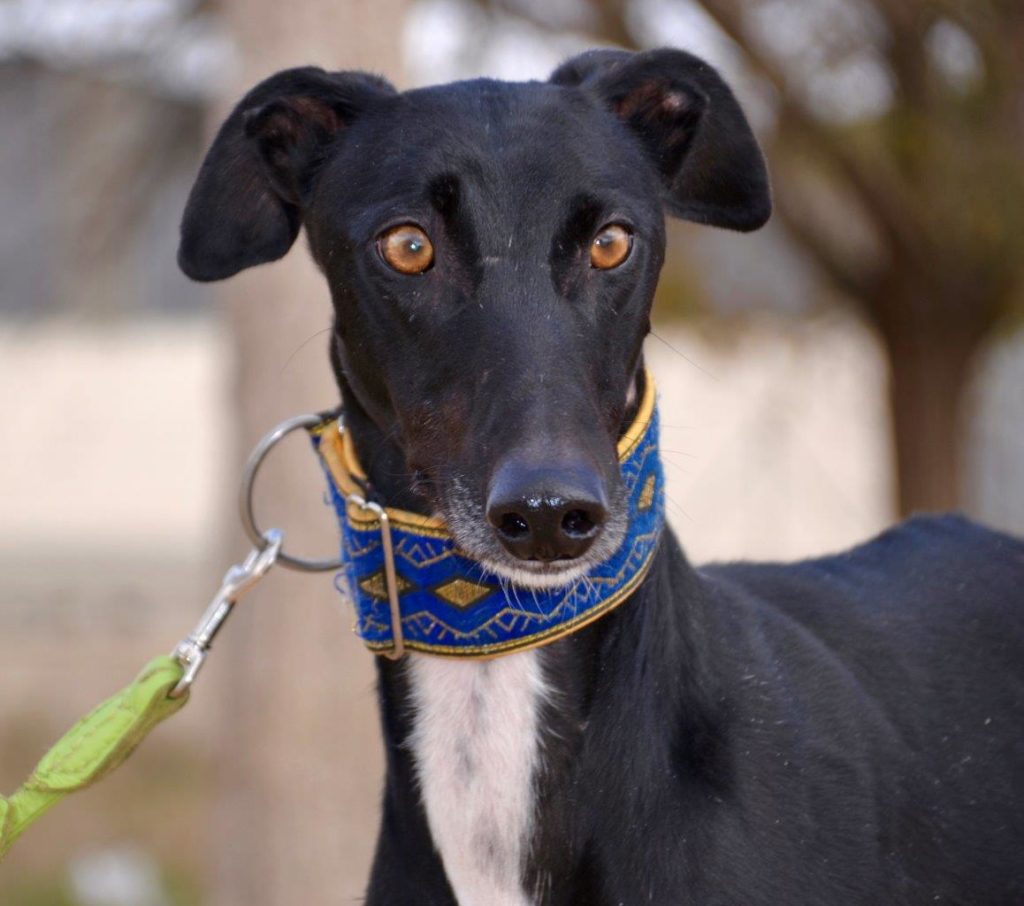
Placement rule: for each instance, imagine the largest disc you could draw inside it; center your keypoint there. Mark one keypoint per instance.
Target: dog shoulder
(932, 591)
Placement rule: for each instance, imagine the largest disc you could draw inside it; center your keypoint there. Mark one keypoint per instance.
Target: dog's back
(884, 692)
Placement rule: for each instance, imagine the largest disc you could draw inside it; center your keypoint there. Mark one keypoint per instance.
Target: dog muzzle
(414, 589)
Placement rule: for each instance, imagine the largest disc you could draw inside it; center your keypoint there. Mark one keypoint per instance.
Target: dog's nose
(549, 513)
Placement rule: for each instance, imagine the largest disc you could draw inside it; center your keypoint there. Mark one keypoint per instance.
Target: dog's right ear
(691, 126)
(246, 205)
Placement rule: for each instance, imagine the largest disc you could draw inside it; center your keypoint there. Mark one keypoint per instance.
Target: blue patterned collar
(403, 570)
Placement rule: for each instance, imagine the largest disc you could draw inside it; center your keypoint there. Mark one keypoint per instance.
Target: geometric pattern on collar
(449, 604)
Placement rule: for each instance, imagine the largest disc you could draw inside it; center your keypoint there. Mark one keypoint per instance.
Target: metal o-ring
(245, 504)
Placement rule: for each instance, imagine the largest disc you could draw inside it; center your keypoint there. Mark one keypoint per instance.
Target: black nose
(546, 513)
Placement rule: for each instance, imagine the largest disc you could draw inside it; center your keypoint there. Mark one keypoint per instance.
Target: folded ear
(246, 205)
(690, 124)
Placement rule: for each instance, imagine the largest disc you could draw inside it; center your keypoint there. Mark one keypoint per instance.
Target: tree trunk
(299, 741)
(929, 367)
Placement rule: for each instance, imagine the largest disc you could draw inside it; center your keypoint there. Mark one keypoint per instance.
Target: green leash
(93, 747)
(102, 740)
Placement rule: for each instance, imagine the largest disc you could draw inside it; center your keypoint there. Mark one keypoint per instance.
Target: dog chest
(475, 746)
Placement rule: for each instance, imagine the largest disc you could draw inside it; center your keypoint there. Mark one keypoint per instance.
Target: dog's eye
(611, 246)
(406, 248)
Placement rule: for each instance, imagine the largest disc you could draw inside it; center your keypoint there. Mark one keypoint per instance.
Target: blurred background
(858, 359)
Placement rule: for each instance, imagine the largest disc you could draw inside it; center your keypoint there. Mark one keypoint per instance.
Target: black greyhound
(846, 730)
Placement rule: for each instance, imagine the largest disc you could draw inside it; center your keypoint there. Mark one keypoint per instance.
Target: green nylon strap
(93, 747)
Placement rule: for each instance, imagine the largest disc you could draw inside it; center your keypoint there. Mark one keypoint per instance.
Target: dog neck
(615, 687)
(496, 747)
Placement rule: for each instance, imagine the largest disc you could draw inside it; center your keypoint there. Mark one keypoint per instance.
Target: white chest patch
(475, 744)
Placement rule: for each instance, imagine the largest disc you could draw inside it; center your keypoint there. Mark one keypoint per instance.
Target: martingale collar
(403, 571)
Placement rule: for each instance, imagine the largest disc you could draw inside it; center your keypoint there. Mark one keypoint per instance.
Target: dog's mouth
(542, 575)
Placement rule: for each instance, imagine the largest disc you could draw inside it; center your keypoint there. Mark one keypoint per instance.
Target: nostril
(513, 526)
(578, 524)
(546, 511)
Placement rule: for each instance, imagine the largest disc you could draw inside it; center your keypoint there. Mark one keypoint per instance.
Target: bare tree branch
(879, 191)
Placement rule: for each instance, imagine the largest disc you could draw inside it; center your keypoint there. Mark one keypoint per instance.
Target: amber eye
(611, 246)
(407, 249)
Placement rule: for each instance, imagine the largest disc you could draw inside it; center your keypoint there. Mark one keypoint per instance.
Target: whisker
(683, 355)
(678, 508)
(302, 346)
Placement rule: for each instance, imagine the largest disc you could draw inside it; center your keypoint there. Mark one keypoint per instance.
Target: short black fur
(845, 730)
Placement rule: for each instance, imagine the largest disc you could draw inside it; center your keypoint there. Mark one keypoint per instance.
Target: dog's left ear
(691, 126)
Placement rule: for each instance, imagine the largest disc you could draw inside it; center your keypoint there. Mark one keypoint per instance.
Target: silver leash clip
(192, 650)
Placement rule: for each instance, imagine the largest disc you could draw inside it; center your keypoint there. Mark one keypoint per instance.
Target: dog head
(492, 251)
